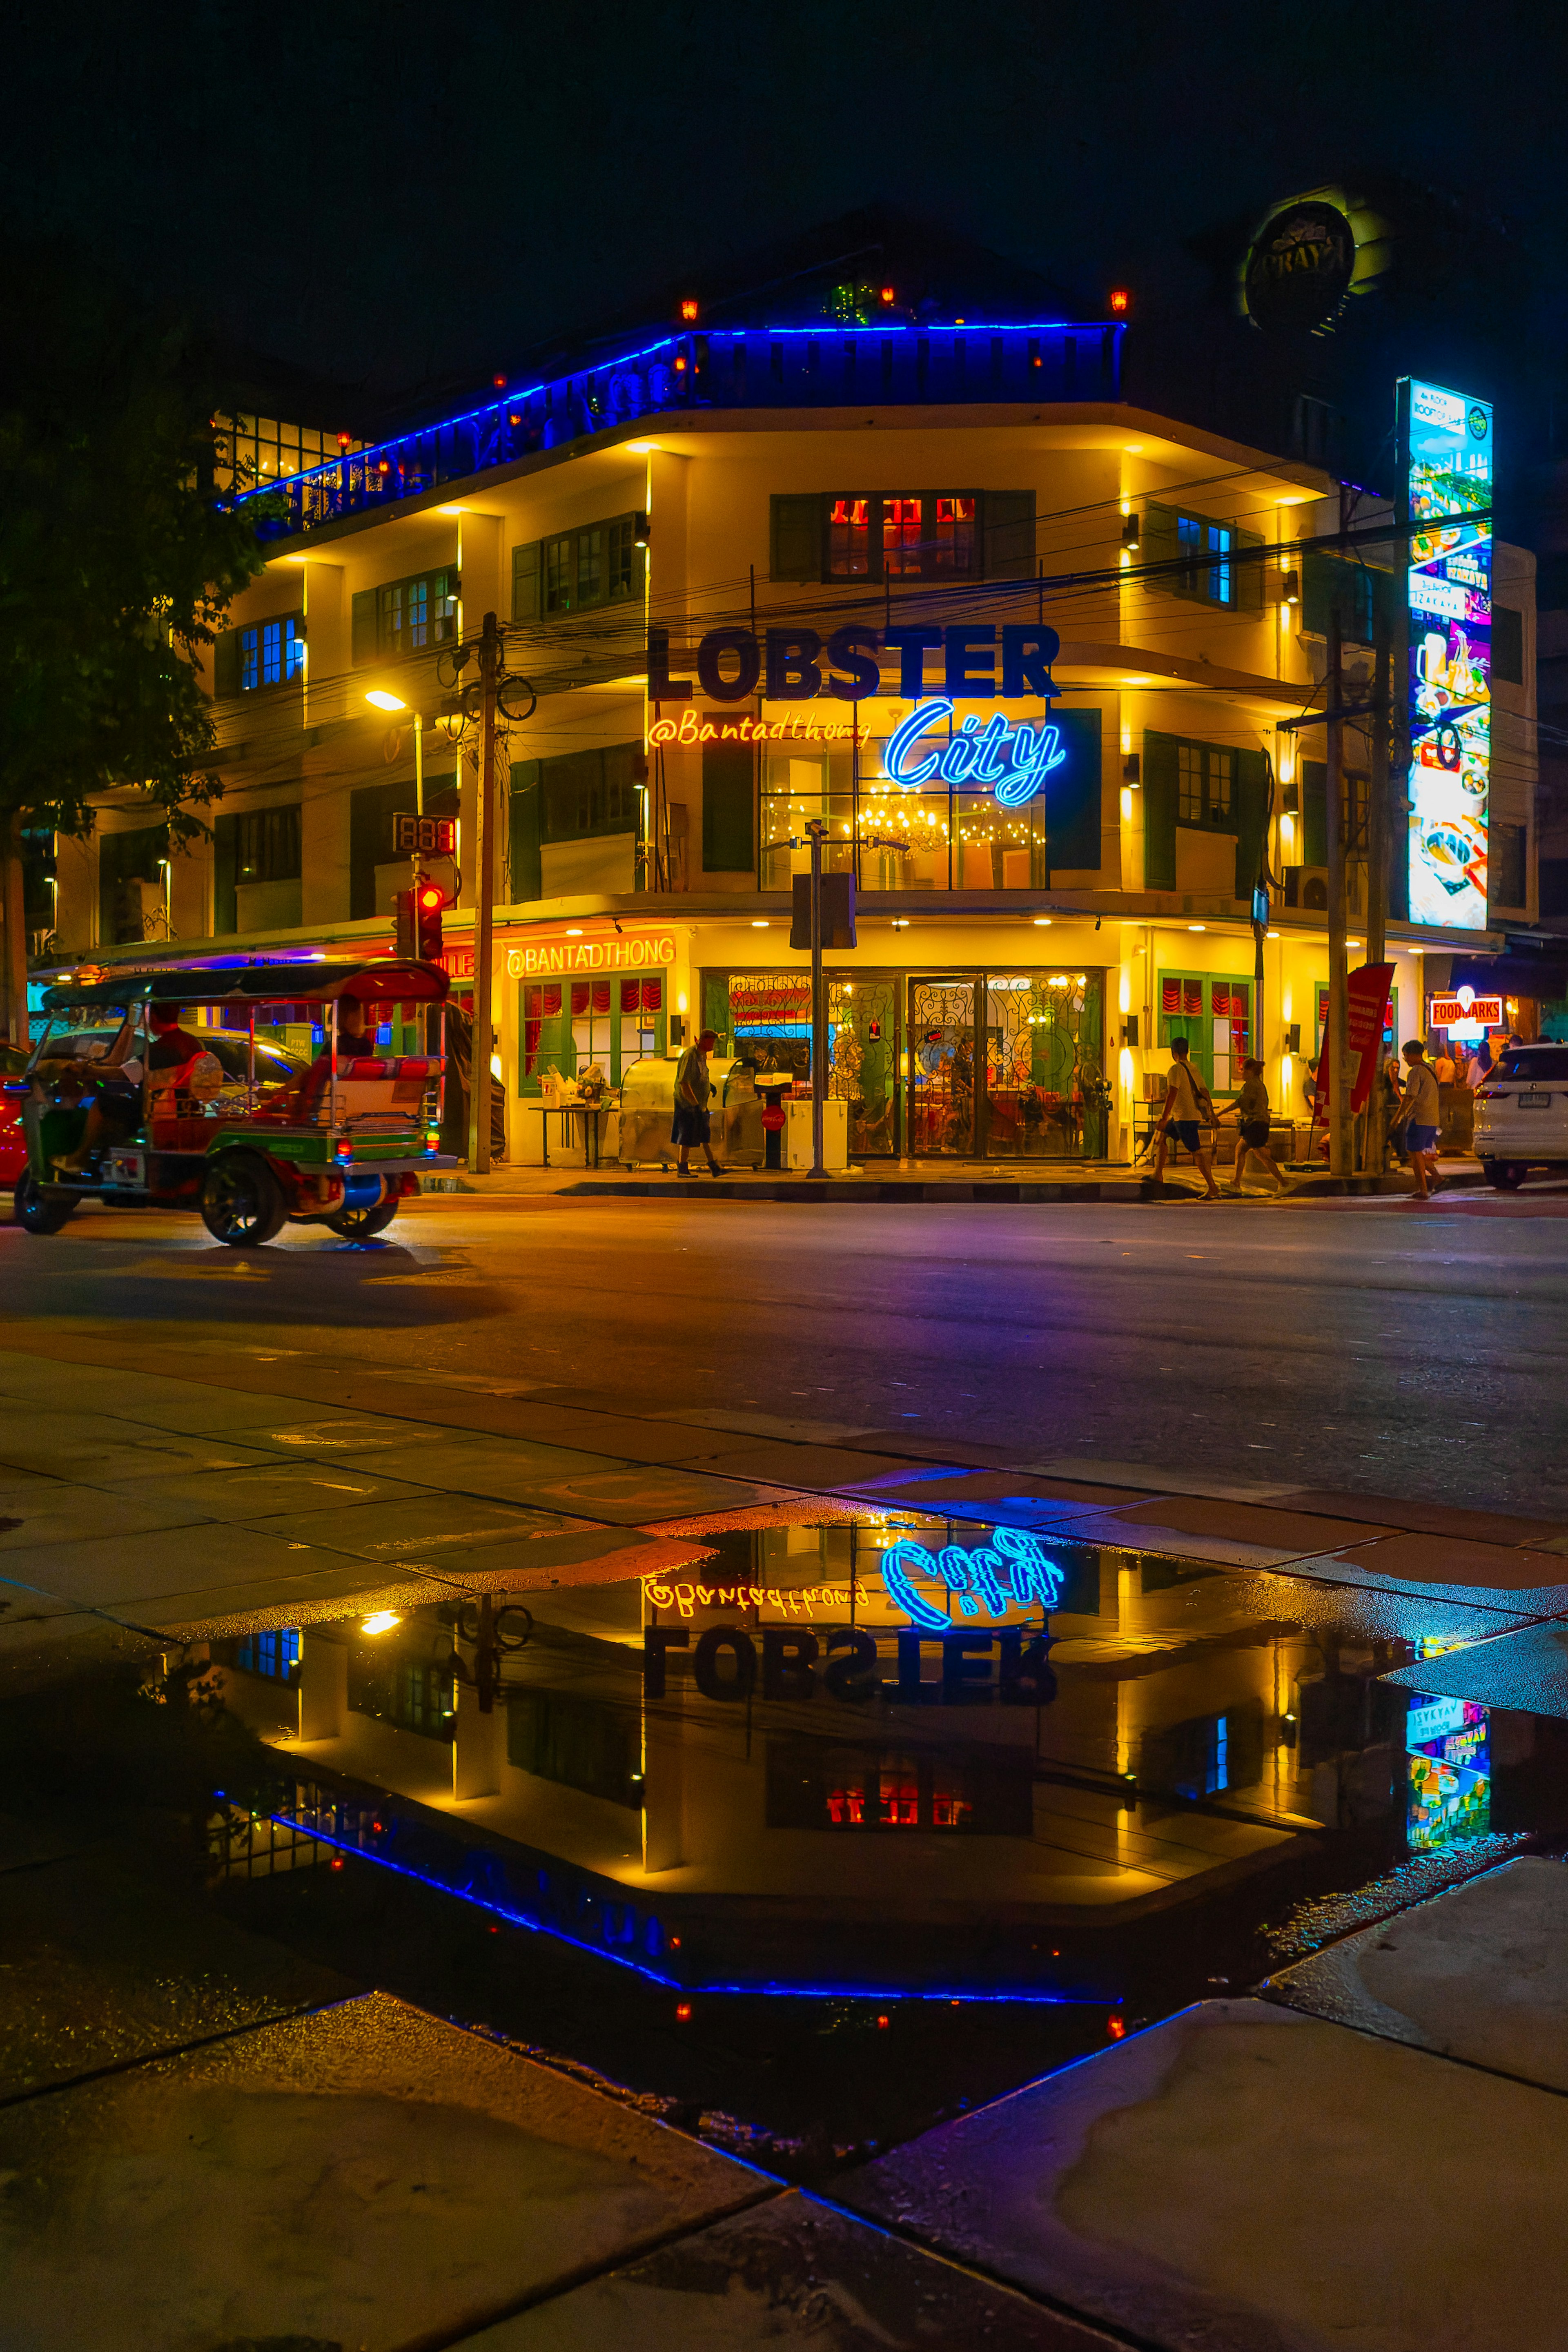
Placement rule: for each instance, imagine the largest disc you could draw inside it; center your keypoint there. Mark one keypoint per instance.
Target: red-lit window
(848, 538)
(1193, 999)
(952, 546)
(899, 1794)
(902, 551)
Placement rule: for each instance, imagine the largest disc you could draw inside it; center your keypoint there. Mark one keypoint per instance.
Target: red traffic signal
(428, 900)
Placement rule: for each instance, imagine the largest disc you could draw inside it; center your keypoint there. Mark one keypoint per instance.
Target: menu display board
(1446, 441)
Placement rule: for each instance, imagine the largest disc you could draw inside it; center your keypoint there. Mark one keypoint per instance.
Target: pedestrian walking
(1422, 1117)
(1188, 1108)
(693, 1087)
(1250, 1110)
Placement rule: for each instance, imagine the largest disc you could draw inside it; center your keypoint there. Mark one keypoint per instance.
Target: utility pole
(484, 900)
(817, 829)
(16, 936)
(1339, 1023)
(1378, 843)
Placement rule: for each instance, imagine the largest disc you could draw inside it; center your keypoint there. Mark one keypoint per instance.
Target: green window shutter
(226, 664)
(1314, 812)
(527, 875)
(362, 625)
(1251, 819)
(1159, 812)
(1249, 576)
(1073, 796)
(1008, 519)
(1159, 544)
(729, 836)
(795, 537)
(525, 581)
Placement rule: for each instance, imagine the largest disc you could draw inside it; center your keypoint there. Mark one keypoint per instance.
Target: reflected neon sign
(1015, 761)
(1010, 1572)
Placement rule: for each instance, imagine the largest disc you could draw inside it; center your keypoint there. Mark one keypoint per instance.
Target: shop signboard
(545, 955)
(1466, 1014)
(1446, 443)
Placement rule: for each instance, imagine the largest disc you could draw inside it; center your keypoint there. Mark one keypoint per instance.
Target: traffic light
(428, 900)
(403, 922)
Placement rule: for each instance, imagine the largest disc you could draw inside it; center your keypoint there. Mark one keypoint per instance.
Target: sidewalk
(911, 1180)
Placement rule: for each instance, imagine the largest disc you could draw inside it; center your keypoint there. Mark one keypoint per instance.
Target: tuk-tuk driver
(117, 1112)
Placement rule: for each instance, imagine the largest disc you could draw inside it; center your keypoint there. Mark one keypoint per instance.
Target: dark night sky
(386, 193)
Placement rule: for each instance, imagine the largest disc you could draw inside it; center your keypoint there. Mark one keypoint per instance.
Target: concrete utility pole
(1378, 841)
(484, 901)
(1339, 1000)
(16, 936)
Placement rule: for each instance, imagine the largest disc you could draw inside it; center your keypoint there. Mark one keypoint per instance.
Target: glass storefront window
(970, 1065)
(569, 1025)
(1214, 1014)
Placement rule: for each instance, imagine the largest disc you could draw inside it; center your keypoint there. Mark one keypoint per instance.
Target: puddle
(855, 1817)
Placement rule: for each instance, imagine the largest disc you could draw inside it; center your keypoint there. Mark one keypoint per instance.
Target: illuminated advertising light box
(1446, 440)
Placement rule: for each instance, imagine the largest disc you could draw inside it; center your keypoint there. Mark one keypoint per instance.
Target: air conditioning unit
(1307, 887)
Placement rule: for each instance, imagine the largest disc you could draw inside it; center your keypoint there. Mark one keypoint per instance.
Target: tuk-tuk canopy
(384, 980)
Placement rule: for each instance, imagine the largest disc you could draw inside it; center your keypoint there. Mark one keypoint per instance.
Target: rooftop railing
(725, 368)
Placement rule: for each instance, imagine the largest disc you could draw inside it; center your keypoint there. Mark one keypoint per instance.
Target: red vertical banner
(1366, 1013)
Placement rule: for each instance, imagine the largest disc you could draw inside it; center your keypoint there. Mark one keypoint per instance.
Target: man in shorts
(1421, 1118)
(1189, 1108)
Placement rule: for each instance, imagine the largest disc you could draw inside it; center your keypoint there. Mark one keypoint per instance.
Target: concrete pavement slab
(336, 1434)
(1528, 1600)
(803, 1431)
(67, 1513)
(368, 2175)
(269, 1490)
(1290, 1533)
(1450, 1561)
(110, 1572)
(1240, 2178)
(641, 1496)
(497, 1467)
(793, 1466)
(418, 1527)
(99, 1969)
(1154, 1479)
(1479, 1973)
(1527, 1669)
(791, 2271)
(1424, 1516)
(68, 1444)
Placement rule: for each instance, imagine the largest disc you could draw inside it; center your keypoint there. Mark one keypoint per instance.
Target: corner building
(1031, 655)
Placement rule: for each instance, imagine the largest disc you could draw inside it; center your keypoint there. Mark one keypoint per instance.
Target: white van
(1521, 1115)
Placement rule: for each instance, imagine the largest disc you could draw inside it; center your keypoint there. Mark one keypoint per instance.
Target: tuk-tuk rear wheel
(242, 1201)
(358, 1224)
(33, 1214)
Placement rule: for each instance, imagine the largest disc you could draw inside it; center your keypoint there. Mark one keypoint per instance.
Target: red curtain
(1170, 996)
(579, 999)
(652, 995)
(631, 995)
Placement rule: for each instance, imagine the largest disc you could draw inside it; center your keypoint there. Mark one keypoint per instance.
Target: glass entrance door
(941, 1058)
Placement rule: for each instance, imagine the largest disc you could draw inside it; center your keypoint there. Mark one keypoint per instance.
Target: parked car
(14, 1060)
(1521, 1115)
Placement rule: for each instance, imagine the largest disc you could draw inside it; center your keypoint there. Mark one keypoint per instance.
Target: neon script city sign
(1014, 761)
(1010, 1572)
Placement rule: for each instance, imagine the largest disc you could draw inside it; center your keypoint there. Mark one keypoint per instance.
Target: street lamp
(382, 699)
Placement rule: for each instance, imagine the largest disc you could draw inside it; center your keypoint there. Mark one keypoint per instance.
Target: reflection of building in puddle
(827, 1737)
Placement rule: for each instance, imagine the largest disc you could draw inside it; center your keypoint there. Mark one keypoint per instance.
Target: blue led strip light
(977, 362)
(769, 1991)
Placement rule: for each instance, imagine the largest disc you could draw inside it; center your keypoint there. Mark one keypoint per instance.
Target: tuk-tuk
(156, 1120)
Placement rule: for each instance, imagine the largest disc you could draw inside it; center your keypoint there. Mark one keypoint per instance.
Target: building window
(267, 845)
(415, 1693)
(275, 1655)
(270, 653)
(1205, 784)
(1211, 578)
(570, 1024)
(953, 548)
(579, 1743)
(1510, 879)
(599, 564)
(1507, 644)
(412, 615)
(819, 1785)
(1215, 1016)
(848, 538)
(252, 450)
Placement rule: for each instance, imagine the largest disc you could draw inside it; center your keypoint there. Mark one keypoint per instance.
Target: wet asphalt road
(1368, 1346)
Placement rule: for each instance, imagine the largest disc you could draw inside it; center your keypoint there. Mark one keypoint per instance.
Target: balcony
(761, 368)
